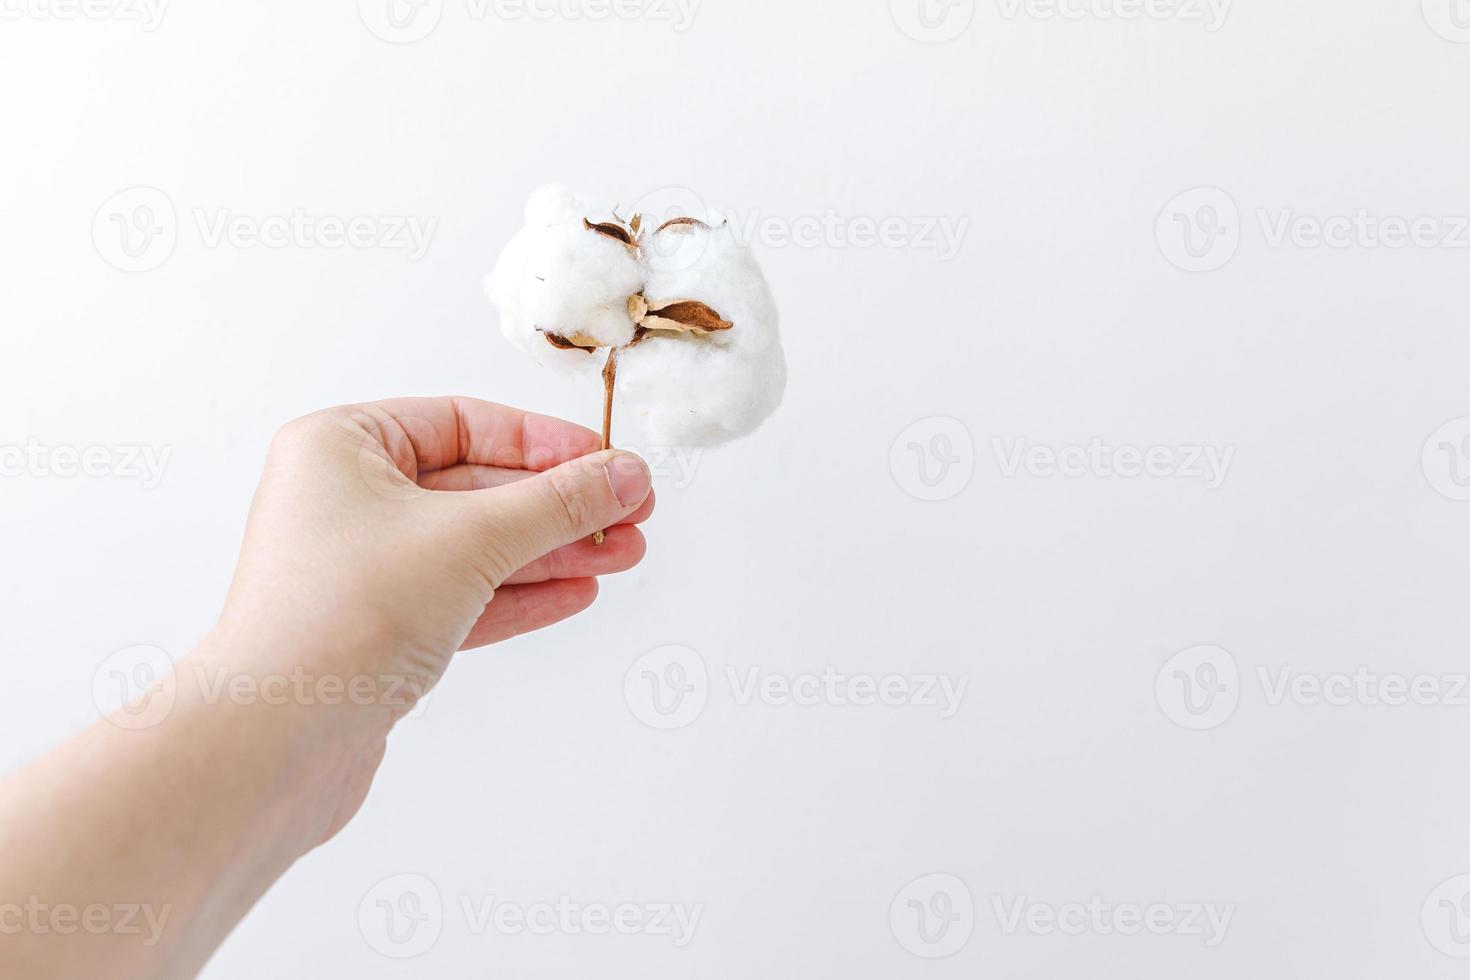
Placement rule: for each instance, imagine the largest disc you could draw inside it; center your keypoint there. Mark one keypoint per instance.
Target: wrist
(296, 746)
(208, 797)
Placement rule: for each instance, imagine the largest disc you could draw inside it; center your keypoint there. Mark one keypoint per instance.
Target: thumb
(539, 514)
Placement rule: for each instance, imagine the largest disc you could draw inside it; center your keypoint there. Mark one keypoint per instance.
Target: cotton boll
(709, 264)
(686, 392)
(556, 277)
(702, 391)
(691, 389)
(504, 287)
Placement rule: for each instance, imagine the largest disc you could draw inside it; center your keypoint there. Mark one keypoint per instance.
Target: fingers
(644, 511)
(423, 434)
(518, 609)
(623, 548)
(474, 476)
(470, 476)
(523, 520)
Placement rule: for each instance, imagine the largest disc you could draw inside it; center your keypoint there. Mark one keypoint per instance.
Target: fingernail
(629, 478)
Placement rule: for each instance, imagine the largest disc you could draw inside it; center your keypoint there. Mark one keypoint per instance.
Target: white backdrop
(1205, 720)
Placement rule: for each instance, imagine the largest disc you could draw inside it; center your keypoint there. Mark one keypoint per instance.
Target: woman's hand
(383, 539)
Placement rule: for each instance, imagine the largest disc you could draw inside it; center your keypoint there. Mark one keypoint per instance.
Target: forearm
(133, 851)
(379, 544)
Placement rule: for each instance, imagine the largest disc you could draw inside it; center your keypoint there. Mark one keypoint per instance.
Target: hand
(385, 537)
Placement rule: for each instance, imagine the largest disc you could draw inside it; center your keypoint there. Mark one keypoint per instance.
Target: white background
(1332, 544)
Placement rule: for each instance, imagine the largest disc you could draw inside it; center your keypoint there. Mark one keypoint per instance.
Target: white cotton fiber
(555, 276)
(686, 389)
(705, 390)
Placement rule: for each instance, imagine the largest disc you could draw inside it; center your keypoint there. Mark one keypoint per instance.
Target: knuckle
(484, 541)
(570, 500)
(300, 432)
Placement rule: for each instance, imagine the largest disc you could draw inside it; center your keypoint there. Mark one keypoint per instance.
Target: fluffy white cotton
(556, 276)
(705, 390)
(684, 389)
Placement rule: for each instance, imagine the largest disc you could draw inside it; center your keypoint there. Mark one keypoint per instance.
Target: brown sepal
(611, 230)
(684, 316)
(576, 341)
(682, 224)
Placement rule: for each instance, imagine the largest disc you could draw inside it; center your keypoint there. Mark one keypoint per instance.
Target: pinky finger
(518, 609)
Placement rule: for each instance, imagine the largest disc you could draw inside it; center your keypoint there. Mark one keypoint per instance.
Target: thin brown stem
(609, 382)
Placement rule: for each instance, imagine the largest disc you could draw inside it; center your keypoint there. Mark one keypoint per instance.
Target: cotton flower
(679, 315)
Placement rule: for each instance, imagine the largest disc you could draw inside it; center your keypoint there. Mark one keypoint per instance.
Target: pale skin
(383, 539)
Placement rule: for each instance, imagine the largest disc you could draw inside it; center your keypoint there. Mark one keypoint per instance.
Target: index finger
(437, 433)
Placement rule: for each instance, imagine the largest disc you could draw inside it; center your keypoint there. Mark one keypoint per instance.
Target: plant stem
(609, 382)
